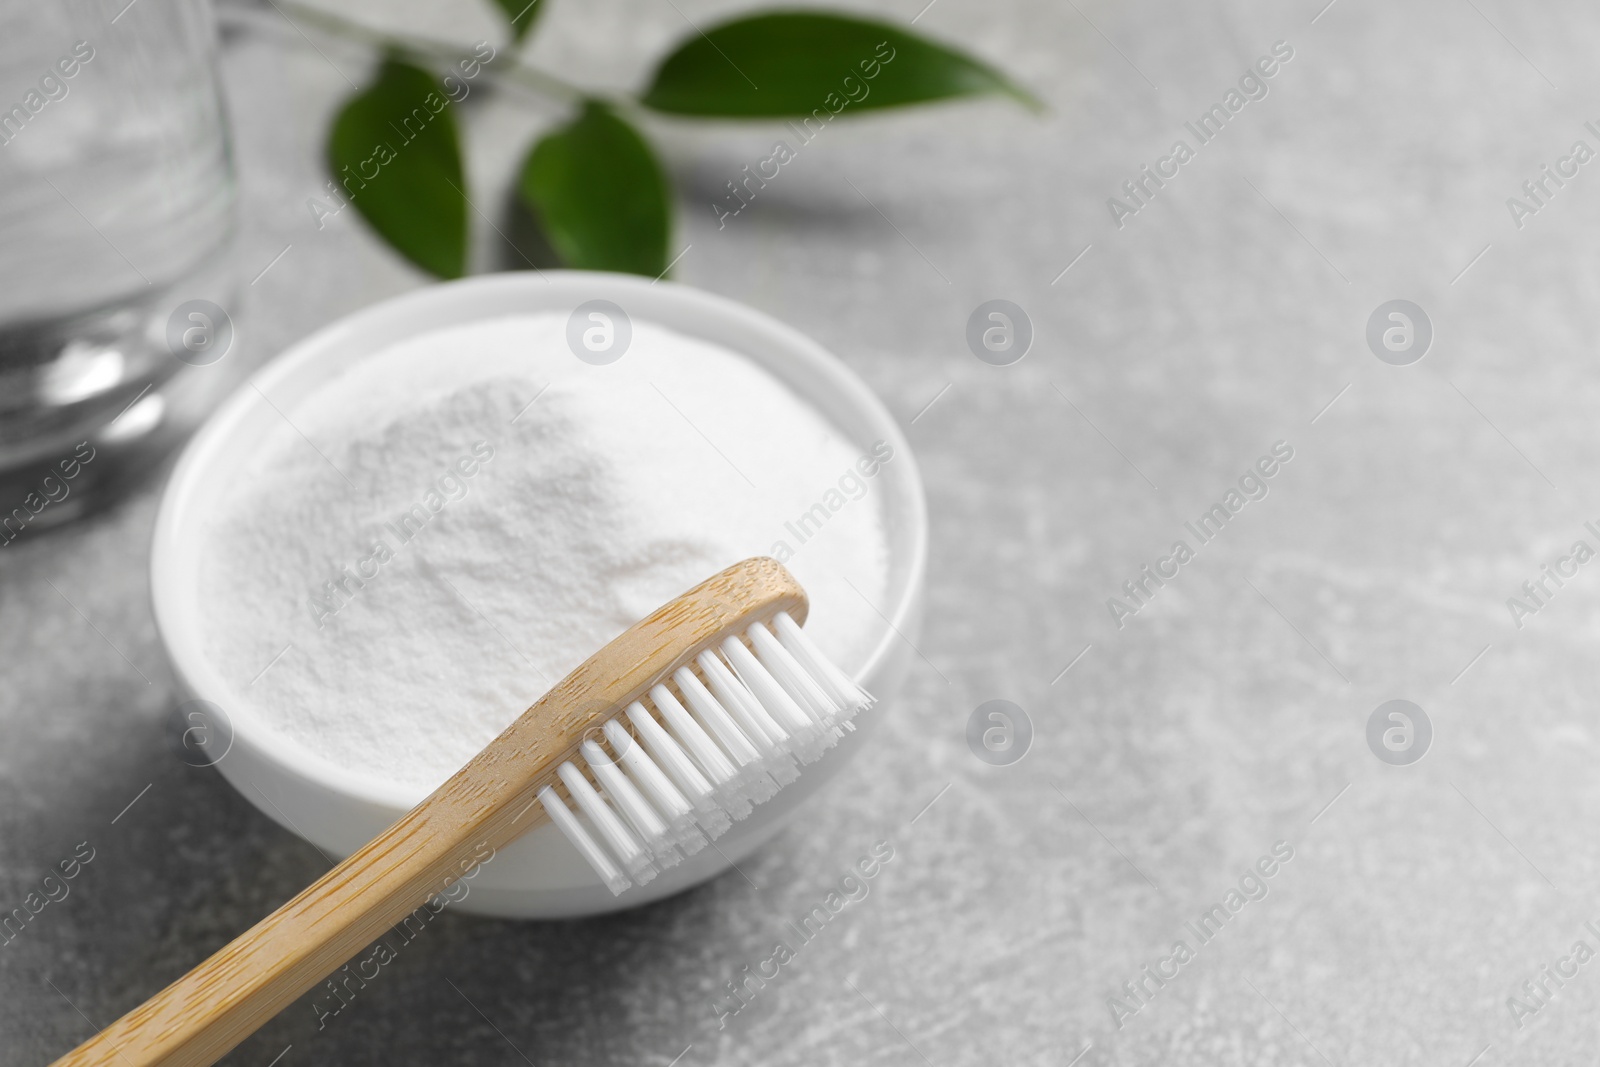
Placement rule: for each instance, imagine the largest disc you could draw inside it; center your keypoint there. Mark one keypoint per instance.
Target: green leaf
(599, 194)
(792, 64)
(395, 152)
(521, 14)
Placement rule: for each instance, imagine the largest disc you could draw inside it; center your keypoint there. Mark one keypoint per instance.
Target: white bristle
(721, 772)
(699, 759)
(820, 668)
(627, 799)
(754, 721)
(669, 802)
(789, 674)
(714, 717)
(762, 686)
(717, 767)
(681, 769)
(811, 737)
(755, 781)
(635, 860)
(573, 830)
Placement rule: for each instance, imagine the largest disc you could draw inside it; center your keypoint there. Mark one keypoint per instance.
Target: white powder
(535, 533)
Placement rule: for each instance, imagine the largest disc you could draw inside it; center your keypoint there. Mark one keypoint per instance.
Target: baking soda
(432, 540)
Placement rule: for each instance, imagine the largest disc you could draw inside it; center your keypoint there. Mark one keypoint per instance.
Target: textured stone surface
(1225, 717)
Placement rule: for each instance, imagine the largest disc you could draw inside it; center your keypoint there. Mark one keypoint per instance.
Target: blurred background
(1173, 346)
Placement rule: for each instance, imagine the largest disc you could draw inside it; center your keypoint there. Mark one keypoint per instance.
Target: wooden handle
(486, 804)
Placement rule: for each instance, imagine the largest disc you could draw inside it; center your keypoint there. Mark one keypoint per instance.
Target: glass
(116, 222)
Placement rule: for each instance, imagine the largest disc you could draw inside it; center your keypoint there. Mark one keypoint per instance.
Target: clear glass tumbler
(116, 223)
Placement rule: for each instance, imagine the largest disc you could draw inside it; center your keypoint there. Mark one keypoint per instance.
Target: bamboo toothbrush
(654, 745)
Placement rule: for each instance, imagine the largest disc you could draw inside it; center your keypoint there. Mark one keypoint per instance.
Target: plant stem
(510, 68)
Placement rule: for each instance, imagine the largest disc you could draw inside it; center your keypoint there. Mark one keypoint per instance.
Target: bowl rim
(195, 673)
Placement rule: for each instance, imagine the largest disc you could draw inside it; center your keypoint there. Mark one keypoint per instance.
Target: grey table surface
(1228, 314)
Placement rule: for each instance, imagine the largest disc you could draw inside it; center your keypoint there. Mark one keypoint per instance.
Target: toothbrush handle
(484, 806)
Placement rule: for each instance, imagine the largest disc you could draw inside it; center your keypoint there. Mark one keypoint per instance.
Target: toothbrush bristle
(701, 755)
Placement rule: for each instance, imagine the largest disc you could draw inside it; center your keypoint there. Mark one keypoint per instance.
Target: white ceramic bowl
(540, 875)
